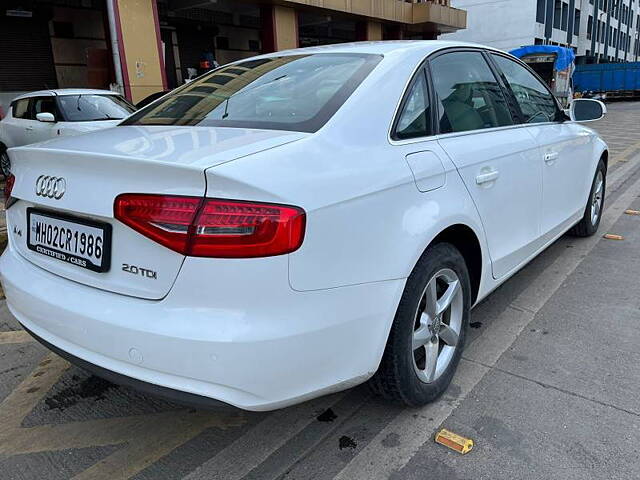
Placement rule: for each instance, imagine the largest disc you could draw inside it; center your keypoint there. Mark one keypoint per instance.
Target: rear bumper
(173, 395)
(255, 344)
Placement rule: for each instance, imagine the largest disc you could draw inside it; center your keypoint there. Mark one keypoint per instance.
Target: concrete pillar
(374, 31)
(368, 30)
(141, 53)
(279, 28)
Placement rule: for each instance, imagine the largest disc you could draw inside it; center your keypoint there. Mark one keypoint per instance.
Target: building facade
(145, 46)
(598, 30)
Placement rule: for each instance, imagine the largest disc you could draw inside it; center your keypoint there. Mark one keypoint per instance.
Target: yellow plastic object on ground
(454, 441)
(611, 236)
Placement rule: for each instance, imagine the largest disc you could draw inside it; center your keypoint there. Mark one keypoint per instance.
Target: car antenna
(226, 105)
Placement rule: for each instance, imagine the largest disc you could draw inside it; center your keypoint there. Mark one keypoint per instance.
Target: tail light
(204, 227)
(8, 188)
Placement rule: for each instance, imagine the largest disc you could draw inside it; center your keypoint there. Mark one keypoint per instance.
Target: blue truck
(608, 80)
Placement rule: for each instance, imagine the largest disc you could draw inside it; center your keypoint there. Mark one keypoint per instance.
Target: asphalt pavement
(548, 388)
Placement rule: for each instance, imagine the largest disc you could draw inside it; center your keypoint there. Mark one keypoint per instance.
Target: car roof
(382, 47)
(60, 92)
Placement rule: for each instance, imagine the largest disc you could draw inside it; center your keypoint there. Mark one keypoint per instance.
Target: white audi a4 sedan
(299, 223)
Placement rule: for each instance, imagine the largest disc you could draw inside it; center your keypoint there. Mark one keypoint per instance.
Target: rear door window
(21, 109)
(469, 95)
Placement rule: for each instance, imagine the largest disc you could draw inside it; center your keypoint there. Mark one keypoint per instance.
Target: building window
(576, 22)
(557, 14)
(589, 27)
(565, 17)
(540, 12)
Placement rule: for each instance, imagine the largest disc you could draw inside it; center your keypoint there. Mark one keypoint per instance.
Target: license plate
(80, 242)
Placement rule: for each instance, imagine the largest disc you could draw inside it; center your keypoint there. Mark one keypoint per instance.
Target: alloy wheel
(597, 198)
(438, 324)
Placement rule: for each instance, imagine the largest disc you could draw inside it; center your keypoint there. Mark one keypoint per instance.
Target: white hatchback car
(300, 222)
(43, 115)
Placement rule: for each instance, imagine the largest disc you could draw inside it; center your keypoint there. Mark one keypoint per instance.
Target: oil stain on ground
(327, 416)
(91, 387)
(347, 442)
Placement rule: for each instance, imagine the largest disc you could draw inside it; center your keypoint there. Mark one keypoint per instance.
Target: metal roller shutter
(26, 59)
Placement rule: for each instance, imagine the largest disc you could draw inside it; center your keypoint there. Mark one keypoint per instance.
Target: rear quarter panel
(366, 219)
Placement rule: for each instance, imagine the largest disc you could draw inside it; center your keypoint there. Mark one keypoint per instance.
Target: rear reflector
(8, 188)
(204, 227)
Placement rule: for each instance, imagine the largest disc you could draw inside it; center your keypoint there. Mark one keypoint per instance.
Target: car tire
(590, 221)
(5, 163)
(406, 375)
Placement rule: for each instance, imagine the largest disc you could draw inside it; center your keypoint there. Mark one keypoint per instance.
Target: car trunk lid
(98, 167)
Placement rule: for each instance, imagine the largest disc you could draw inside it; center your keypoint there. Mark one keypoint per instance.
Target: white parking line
(500, 334)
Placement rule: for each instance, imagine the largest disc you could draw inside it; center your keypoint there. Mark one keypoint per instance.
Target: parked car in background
(42, 115)
(298, 223)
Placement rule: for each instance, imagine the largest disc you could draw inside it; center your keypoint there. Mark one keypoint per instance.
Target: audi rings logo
(50, 187)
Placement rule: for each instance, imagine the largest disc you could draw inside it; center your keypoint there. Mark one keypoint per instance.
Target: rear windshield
(298, 93)
(91, 108)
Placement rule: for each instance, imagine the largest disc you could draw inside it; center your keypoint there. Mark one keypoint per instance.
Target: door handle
(29, 128)
(550, 158)
(487, 177)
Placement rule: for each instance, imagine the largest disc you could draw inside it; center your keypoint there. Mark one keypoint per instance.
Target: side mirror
(46, 117)
(586, 110)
